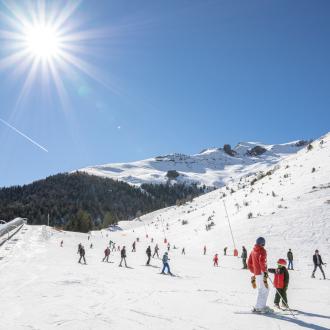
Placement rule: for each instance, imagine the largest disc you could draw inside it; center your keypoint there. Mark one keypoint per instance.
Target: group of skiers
(256, 263)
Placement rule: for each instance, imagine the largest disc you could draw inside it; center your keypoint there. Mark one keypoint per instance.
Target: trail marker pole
(231, 231)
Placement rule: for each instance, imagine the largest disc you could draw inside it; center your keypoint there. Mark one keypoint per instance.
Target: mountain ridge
(212, 167)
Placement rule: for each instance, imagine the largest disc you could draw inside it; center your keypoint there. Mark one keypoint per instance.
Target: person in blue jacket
(165, 264)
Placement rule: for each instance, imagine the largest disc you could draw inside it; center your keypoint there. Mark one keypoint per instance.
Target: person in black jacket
(244, 257)
(290, 259)
(317, 260)
(123, 256)
(148, 252)
(82, 254)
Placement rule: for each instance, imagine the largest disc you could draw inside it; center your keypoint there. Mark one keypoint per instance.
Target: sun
(42, 41)
(50, 45)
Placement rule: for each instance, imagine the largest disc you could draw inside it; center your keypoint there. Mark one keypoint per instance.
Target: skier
(281, 282)
(91, 246)
(134, 247)
(82, 254)
(123, 256)
(165, 264)
(79, 247)
(183, 251)
(62, 243)
(215, 260)
(204, 250)
(244, 257)
(168, 246)
(317, 260)
(106, 254)
(257, 266)
(113, 246)
(156, 251)
(290, 259)
(148, 252)
(225, 251)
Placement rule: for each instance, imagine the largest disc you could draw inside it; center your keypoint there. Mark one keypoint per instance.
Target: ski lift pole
(290, 310)
(231, 231)
(162, 221)
(145, 228)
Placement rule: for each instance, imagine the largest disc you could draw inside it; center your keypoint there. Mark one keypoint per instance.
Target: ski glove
(253, 282)
(265, 280)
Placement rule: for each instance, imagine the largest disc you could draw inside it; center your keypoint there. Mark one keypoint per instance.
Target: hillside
(213, 167)
(82, 202)
(290, 207)
(288, 202)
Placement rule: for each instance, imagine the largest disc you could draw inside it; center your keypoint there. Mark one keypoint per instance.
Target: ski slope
(211, 167)
(43, 286)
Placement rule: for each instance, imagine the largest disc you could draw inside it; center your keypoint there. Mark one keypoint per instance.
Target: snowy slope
(43, 286)
(212, 167)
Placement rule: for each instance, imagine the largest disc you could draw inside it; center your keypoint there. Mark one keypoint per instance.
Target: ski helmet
(281, 262)
(260, 241)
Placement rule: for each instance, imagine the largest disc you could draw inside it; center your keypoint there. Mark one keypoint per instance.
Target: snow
(43, 286)
(212, 167)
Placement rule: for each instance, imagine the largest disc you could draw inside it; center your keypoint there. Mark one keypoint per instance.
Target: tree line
(81, 202)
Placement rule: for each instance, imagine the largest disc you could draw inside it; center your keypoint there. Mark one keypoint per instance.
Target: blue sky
(170, 76)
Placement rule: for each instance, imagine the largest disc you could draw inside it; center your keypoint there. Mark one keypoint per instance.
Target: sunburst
(41, 42)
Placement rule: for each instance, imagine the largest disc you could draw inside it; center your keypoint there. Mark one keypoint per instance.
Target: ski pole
(290, 310)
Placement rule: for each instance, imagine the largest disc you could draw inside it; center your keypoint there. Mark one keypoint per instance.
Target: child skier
(215, 260)
(165, 264)
(281, 282)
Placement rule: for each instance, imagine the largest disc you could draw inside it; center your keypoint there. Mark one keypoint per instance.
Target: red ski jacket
(281, 278)
(257, 262)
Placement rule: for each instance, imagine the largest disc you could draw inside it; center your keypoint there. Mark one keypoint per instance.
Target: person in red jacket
(215, 260)
(257, 265)
(281, 282)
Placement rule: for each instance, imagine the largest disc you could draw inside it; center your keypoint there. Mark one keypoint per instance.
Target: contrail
(25, 136)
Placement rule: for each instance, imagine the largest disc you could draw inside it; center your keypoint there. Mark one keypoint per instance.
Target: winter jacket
(244, 254)
(281, 278)
(82, 251)
(165, 259)
(317, 260)
(107, 251)
(290, 256)
(215, 259)
(148, 252)
(123, 253)
(257, 262)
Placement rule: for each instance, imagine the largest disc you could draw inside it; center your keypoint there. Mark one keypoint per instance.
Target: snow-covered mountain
(212, 167)
(43, 286)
